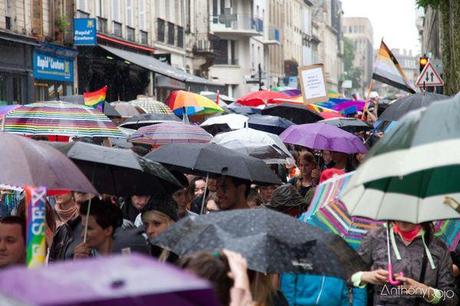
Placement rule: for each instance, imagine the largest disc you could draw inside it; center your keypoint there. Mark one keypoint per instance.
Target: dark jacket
(129, 211)
(373, 251)
(66, 238)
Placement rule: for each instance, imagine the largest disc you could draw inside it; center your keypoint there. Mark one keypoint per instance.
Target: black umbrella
(271, 124)
(298, 114)
(137, 122)
(120, 172)
(211, 158)
(351, 125)
(271, 241)
(243, 110)
(406, 104)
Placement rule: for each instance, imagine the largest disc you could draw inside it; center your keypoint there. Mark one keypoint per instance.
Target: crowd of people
(130, 224)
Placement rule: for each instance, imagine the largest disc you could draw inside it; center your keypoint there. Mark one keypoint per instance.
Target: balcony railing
(204, 43)
(235, 22)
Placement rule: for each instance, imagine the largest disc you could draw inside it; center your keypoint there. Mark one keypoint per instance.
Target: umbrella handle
(85, 230)
(204, 195)
(391, 280)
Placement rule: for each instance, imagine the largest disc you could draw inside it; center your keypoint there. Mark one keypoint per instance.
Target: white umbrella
(233, 121)
(262, 145)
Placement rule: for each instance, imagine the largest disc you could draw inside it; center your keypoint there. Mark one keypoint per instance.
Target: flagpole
(366, 103)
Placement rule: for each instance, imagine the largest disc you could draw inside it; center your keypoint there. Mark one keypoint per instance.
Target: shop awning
(157, 66)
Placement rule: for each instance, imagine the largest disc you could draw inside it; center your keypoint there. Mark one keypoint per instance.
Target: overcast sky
(394, 20)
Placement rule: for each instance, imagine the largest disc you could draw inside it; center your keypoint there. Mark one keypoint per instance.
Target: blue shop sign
(50, 67)
(84, 32)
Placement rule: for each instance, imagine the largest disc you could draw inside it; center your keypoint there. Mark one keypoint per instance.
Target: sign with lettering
(84, 32)
(50, 67)
(313, 84)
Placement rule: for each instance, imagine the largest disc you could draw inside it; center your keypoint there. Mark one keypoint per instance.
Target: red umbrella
(261, 97)
(329, 115)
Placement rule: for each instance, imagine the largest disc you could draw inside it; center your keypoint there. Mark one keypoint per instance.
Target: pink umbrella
(260, 97)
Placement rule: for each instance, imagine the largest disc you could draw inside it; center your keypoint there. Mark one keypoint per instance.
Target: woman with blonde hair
(156, 219)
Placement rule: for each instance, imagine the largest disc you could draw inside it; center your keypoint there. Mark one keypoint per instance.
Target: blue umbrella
(271, 124)
(243, 110)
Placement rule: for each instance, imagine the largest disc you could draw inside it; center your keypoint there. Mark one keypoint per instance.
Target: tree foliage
(426, 3)
(350, 72)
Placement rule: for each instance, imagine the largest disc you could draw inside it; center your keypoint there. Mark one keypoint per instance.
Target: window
(8, 24)
(144, 37)
(116, 10)
(161, 30)
(129, 12)
(117, 31)
(180, 37)
(171, 33)
(130, 34)
(102, 24)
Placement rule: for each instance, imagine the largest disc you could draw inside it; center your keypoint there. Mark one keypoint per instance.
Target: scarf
(64, 215)
(408, 236)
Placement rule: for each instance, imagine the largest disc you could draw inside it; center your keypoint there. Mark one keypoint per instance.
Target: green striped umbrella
(412, 174)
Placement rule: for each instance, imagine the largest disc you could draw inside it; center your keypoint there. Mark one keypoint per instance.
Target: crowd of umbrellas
(410, 175)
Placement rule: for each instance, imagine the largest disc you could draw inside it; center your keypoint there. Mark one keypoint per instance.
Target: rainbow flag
(387, 70)
(96, 98)
(36, 222)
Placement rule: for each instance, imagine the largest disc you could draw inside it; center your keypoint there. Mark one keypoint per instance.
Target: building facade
(409, 64)
(359, 31)
(327, 15)
(237, 52)
(34, 64)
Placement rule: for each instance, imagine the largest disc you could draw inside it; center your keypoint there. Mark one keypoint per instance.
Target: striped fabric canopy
(170, 132)
(151, 106)
(329, 214)
(412, 173)
(60, 119)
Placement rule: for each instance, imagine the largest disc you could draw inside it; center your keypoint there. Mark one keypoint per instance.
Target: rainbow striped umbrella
(191, 104)
(60, 119)
(329, 214)
(170, 132)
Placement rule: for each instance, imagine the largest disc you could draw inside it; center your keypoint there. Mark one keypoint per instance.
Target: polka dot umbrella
(272, 242)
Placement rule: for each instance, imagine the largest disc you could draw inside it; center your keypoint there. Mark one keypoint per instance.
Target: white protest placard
(313, 83)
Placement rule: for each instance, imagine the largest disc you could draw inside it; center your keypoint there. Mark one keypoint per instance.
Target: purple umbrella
(5, 109)
(29, 162)
(321, 136)
(104, 281)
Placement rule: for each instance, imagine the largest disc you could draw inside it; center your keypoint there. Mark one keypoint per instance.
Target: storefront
(16, 80)
(53, 71)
